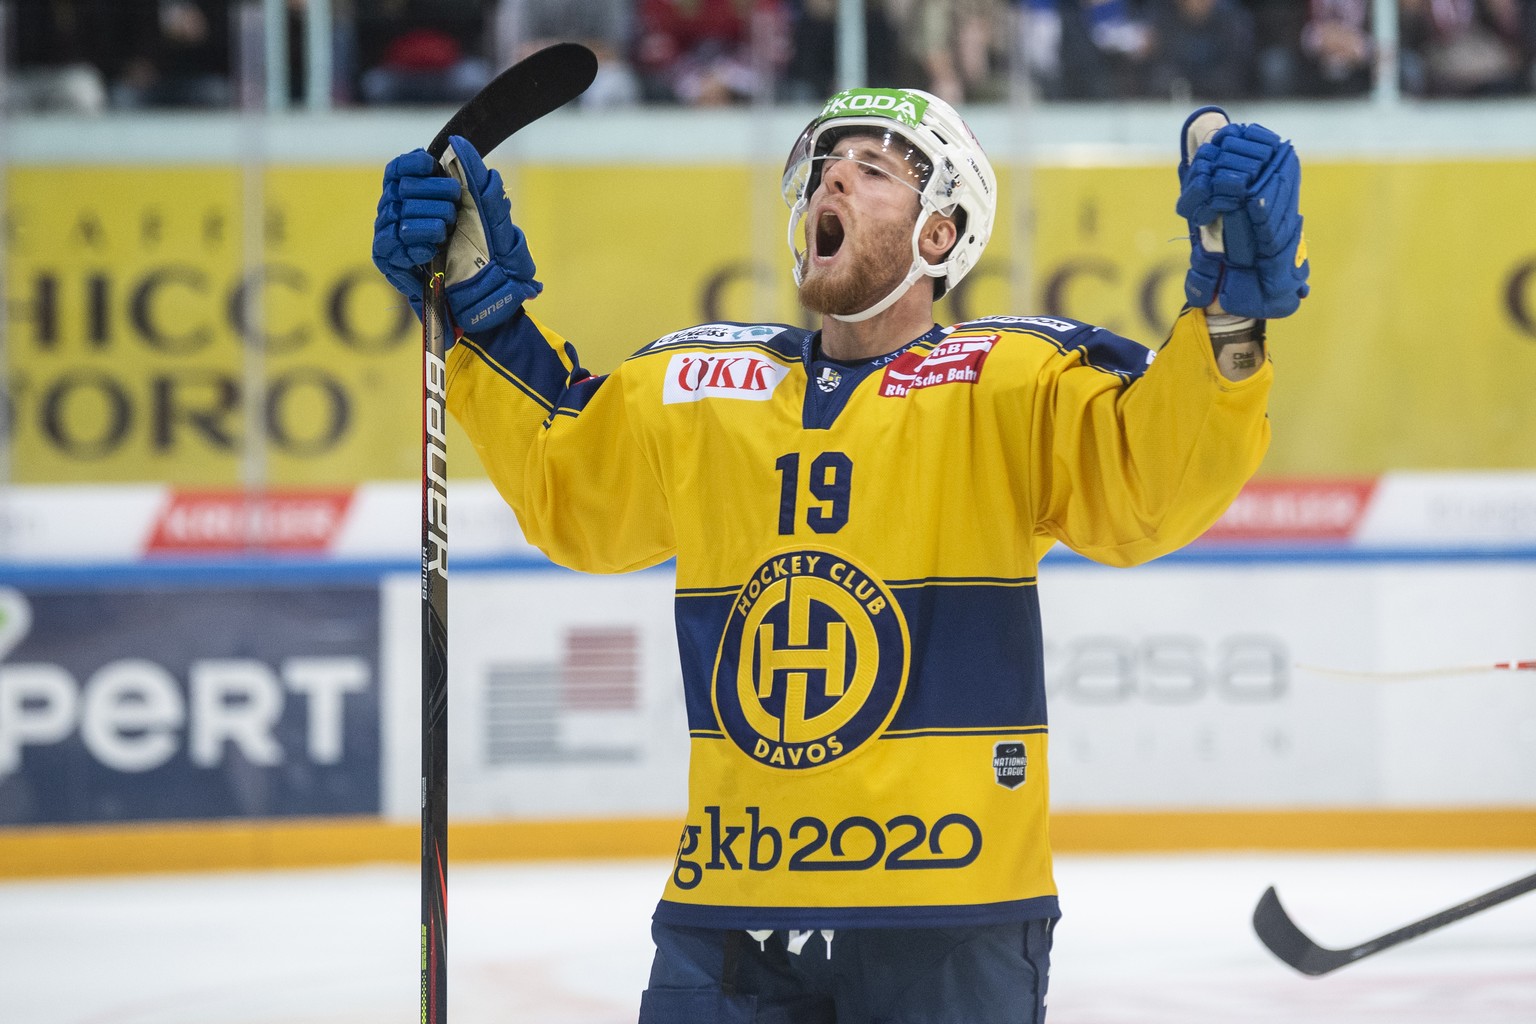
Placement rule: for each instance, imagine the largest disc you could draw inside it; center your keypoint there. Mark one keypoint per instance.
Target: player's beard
(866, 274)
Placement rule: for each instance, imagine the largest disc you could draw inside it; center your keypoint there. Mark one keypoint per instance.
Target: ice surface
(1144, 940)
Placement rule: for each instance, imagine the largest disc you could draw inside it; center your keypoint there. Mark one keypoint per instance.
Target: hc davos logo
(813, 661)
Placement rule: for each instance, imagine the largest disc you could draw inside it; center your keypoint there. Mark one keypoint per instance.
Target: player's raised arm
(542, 426)
(1239, 189)
(1140, 470)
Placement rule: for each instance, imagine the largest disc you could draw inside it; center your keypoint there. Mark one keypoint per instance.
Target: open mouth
(829, 234)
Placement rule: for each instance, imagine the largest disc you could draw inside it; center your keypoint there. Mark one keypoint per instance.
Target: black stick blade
(1281, 936)
(537, 85)
(1278, 932)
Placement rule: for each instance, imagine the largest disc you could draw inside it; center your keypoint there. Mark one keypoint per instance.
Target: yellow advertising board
(159, 320)
(163, 320)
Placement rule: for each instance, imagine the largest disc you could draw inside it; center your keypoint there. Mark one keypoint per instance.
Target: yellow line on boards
(48, 851)
(241, 845)
(1298, 830)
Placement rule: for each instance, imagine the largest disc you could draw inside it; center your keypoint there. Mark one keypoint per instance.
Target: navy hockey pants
(981, 974)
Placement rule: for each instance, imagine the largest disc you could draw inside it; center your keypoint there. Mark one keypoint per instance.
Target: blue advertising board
(188, 703)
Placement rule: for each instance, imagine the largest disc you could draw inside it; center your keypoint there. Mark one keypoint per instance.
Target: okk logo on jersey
(692, 376)
(813, 661)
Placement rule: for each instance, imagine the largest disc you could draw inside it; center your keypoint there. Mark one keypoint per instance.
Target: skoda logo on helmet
(897, 104)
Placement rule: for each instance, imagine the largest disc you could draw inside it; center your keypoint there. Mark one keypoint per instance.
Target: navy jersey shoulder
(1101, 349)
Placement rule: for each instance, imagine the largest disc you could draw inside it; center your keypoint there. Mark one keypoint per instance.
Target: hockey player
(857, 515)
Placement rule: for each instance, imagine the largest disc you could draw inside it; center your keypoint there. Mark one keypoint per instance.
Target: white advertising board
(1188, 687)
(1171, 687)
(564, 693)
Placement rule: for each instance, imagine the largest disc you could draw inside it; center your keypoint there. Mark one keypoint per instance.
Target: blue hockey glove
(1239, 192)
(490, 272)
(416, 211)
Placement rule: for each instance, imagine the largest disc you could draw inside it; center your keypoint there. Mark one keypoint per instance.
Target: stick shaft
(520, 95)
(434, 652)
(1476, 904)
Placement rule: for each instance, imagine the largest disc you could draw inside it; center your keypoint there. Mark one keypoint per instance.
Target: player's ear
(938, 236)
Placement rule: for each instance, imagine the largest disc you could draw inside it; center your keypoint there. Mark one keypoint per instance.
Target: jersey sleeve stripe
(547, 404)
(527, 357)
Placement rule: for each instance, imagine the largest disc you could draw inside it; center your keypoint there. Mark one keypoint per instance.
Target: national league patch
(1009, 763)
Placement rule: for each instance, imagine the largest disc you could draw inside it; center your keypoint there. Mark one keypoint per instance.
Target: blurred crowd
(93, 55)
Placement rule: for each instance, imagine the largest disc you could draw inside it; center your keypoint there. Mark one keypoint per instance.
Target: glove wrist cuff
(1226, 324)
(1237, 342)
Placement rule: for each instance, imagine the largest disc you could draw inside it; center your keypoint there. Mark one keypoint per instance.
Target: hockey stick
(517, 97)
(1279, 933)
(1423, 673)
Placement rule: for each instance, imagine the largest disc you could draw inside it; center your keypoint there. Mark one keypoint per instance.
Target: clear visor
(877, 148)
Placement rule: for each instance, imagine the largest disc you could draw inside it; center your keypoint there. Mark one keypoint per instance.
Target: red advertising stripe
(220, 522)
(601, 669)
(1296, 510)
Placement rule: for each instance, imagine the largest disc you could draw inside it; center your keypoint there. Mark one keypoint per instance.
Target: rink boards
(187, 706)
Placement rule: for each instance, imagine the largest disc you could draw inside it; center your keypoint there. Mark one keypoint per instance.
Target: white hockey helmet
(951, 174)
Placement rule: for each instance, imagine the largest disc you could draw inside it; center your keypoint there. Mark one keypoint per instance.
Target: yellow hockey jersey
(857, 548)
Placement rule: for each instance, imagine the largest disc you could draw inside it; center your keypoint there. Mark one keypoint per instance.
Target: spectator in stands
(57, 58)
(179, 57)
(343, 49)
(1277, 27)
(1528, 36)
(1038, 27)
(811, 75)
(423, 51)
(1464, 47)
(1083, 49)
(958, 46)
(606, 27)
(711, 52)
(1201, 49)
(1338, 52)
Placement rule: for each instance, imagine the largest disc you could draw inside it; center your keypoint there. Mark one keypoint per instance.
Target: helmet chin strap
(918, 269)
(889, 300)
